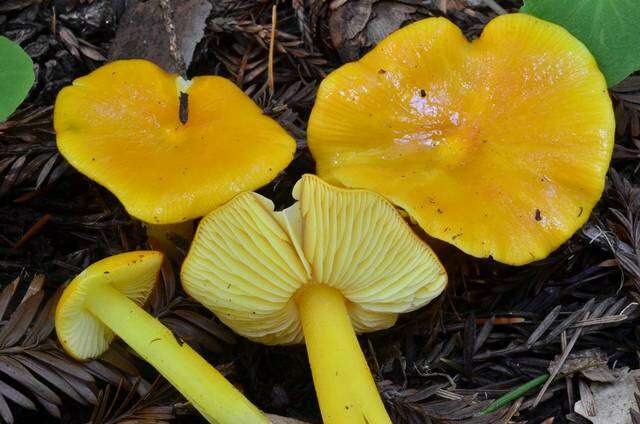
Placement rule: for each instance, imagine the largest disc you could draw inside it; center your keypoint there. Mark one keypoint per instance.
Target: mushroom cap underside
(247, 261)
(134, 274)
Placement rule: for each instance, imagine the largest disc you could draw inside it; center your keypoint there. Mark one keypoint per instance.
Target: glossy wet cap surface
(499, 146)
(120, 126)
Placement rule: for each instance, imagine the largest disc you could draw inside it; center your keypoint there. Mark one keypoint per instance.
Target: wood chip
(152, 43)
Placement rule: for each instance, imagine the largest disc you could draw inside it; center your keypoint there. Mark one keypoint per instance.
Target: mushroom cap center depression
(444, 138)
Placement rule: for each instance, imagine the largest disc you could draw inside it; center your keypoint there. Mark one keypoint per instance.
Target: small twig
(32, 231)
(167, 16)
(501, 320)
(272, 44)
(54, 19)
(183, 112)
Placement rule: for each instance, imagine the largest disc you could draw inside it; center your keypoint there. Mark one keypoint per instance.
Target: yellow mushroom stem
(344, 385)
(207, 390)
(164, 236)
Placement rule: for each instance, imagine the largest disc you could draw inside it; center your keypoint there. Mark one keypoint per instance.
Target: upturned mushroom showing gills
(336, 261)
(498, 146)
(125, 127)
(104, 301)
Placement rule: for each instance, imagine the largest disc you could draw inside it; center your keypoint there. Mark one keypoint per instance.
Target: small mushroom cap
(498, 146)
(120, 126)
(134, 274)
(247, 261)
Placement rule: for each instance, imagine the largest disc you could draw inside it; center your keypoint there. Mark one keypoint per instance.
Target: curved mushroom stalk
(335, 263)
(499, 146)
(103, 301)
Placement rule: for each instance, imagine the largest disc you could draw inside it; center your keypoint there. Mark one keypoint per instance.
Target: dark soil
(443, 363)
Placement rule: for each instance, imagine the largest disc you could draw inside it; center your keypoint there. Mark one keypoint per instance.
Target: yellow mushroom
(170, 239)
(121, 126)
(336, 261)
(104, 301)
(499, 146)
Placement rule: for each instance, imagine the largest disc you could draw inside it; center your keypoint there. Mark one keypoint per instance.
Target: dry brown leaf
(612, 400)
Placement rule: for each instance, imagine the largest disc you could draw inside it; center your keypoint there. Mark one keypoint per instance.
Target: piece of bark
(356, 26)
(142, 34)
(388, 16)
(346, 24)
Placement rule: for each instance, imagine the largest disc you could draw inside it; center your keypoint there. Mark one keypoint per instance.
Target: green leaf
(609, 28)
(16, 76)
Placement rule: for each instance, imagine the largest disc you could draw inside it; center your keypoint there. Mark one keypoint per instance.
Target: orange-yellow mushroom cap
(133, 274)
(499, 146)
(120, 126)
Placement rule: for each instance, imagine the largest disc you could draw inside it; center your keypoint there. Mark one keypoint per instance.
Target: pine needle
(515, 393)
